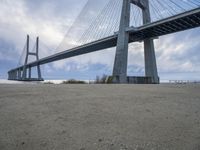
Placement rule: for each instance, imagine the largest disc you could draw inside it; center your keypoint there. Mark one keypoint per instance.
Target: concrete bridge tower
(121, 58)
(26, 68)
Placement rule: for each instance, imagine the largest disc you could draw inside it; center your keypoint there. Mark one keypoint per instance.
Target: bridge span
(147, 32)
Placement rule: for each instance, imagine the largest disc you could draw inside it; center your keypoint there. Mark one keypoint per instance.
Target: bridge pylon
(20, 73)
(25, 76)
(121, 57)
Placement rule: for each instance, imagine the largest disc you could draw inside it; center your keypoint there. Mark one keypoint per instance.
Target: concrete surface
(100, 117)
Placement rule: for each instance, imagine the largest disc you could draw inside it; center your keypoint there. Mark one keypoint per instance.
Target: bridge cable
(197, 4)
(179, 6)
(164, 7)
(88, 32)
(155, 13)
(104, 20)
(110, 21)
(188, 4)
(92, 29)
(22, 54)
(156, 10)
(115, 26)
(82, 12)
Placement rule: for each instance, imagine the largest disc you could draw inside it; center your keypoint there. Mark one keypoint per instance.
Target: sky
(178, 56)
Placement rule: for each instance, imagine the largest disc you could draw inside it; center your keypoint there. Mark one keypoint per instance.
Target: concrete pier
(26, 74)
(120, 64)
(149, 50)
(121, 58)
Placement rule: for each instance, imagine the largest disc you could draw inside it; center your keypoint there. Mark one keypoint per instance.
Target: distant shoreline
(5, 81)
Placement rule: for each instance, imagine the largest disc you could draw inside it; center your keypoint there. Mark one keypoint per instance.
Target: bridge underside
(180, 22)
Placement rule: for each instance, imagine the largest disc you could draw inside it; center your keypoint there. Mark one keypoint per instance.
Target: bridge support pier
(21, 73)
(13, 75)
(149, 50)
(121, 57)
(28, 68)
(29, 75)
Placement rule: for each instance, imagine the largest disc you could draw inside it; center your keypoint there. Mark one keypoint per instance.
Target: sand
(99, 117)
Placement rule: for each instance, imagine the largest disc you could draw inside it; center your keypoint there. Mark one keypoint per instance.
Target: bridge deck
(180, 22)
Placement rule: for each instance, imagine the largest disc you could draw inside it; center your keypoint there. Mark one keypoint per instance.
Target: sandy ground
(99, 117)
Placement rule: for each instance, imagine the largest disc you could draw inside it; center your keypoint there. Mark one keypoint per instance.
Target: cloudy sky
(178, 55)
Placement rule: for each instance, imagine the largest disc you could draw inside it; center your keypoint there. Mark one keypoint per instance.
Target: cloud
(179, 52)
(16, 23)
(51, 19)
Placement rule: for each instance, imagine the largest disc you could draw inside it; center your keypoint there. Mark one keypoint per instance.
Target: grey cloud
(50, 19)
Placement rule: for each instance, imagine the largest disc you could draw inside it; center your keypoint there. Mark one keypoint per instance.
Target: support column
(19, 74)
(37, 55)
(121, 57)
(149, 50)
(29, 74)
(12, 75)
(15, 74)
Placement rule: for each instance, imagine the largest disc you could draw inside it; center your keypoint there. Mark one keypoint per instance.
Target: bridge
(147, 32)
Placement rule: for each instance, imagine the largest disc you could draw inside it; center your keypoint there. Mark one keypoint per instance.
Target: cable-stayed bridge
(119, 23)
